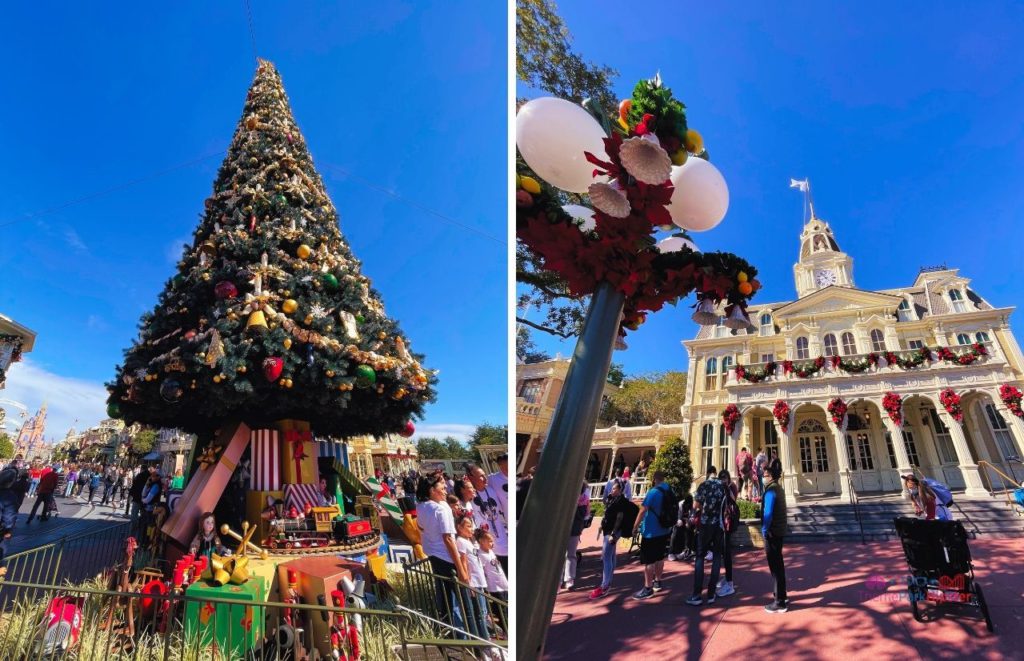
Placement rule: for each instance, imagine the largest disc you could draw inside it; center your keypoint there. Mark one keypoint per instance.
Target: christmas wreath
(618, 247)
(837, 409)
(755, 376)
(1012, 396)
(781, 412)
(951, 401)
(730, 417)
(893, 405)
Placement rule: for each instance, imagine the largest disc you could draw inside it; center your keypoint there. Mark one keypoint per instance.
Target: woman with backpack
(730, 519)
(619, 514)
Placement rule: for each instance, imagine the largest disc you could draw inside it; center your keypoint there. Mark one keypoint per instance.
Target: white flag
(801, 185)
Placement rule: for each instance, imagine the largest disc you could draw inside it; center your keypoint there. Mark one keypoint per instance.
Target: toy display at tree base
(321, 529)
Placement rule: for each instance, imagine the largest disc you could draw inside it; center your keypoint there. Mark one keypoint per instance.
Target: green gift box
(233, 628)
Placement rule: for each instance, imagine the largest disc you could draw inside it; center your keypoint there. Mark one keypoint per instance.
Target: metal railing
(455, 611)
(855, 499)
(71, 559)
(1005, 479)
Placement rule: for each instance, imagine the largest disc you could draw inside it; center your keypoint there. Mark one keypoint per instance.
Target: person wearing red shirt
(34, 474)
(44, 496)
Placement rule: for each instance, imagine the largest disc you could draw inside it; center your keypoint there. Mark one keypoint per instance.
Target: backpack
(8, 477)
(942, 493)
(669, 506)
(730, 515)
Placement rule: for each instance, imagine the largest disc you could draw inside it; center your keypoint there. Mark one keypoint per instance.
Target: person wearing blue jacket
(773, 528)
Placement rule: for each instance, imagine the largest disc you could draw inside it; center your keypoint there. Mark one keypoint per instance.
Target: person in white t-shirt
(497, 582)
(437, 530)
(469, 553)
(491, 510)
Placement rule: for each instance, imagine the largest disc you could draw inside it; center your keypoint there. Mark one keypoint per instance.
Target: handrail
(1004, 476)
(977, 530)
(856, 506)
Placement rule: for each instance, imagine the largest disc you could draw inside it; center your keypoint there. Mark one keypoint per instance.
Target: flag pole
(810, 198)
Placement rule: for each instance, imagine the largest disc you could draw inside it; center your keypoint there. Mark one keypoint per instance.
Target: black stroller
(940, 565)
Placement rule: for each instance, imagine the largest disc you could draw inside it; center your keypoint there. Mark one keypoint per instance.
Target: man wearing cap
(773, 528)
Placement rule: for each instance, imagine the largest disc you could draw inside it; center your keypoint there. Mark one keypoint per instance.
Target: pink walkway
(838, 610)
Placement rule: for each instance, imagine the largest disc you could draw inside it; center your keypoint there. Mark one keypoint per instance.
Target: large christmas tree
(269, 316)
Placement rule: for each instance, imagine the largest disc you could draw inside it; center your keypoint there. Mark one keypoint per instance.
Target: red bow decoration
(298, 451)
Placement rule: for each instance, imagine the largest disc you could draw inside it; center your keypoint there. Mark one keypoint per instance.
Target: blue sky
(96, 98)
(905, 116)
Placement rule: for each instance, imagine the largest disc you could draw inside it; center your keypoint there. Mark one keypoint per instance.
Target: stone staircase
(829, 519)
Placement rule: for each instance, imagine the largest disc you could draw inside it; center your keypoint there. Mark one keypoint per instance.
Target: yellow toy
(412, 533)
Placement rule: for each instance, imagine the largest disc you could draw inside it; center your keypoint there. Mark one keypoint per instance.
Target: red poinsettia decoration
(873, 359)
(781, 412)
(730, 417)
(893, 405)
(1012, 397)
(951, 401)
(787, 367)
(837, 409)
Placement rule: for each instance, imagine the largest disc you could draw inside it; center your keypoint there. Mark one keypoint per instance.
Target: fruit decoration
(225, 289)
(171, 390)
(272, 367)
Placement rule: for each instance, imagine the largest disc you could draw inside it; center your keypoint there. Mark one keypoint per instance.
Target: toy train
(320, 529)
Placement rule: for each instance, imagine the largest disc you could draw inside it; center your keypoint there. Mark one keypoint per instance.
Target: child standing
(473, 598)
(497, 582)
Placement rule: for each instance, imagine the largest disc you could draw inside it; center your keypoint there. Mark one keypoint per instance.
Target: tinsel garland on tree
(269, 316)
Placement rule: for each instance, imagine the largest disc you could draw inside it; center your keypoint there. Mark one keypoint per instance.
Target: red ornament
(225, 289)
(252, 223)
(272, 367)
(190, 334)
(408, 430)
(523, 199)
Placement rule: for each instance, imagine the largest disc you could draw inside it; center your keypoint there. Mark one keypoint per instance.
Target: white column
(968, 468)
(977, 412)
(903, 466)
(1015, 424)
(786, 458)
(843, 460)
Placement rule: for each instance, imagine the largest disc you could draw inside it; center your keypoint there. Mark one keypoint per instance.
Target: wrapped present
(298, 453)
(332, 449)
(234, 629)
(377, 564)
(315, 576)
(300, 495)
(401, 554)
(255, 503)
(266, 460)
(207, 485)
(266, 570)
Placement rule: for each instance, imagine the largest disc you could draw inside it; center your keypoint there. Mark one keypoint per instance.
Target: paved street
(839, 609)
(75, 517)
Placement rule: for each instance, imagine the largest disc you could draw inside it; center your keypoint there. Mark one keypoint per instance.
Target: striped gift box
(333, 450)
(385, 499)
(299, 495)
(266, 460)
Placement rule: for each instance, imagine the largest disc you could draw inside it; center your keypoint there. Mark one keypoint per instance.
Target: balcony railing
(882, 367)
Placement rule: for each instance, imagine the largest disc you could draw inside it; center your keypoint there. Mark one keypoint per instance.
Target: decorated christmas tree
(269, 316)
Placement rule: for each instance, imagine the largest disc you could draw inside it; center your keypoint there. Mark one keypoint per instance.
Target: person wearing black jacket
(579, 522)
(138, 485)
(12, 478)
(619, 516)
(683, 541)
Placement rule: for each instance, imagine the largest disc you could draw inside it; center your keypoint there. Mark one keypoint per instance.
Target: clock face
(825, 277)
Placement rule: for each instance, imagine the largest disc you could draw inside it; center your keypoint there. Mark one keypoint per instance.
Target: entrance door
(858, 451)
(950, 469)
(816, 475)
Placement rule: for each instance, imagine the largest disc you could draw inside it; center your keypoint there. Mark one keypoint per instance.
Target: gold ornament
(241, 370)
(287, 343)
(381, 335)
(216, 378)
(257, 321)
(304, 251)
(289, 306)
(308, 320)
(330, 373)
(216, 351)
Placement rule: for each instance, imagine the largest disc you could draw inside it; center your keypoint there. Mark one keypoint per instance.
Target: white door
(816, 474)
(862, 462)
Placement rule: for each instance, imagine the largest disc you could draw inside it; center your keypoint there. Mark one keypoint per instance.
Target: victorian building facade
(787, 378)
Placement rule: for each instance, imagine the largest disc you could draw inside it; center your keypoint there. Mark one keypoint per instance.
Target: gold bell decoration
(216, 573)
(257, 322)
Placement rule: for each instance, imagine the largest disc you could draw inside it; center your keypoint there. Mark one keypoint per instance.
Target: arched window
(767, 328)
(877, 340)
(849, 345)
(710, 374)
(723, 449)
(707, 444)
(903, 312)
(963, 338)
(726, 365)
(958, 300)
(981, 336)
(831, 349)
(802, 352)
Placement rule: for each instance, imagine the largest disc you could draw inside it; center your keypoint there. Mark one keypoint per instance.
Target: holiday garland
(621, 250)
(781, 412)
(915, 359)
(837, 409)
(893, 405)
(803, 370)
(951, 401)
(755, 376)
(976, 352)
(730, 417)
(852, 366)
(1012, 397)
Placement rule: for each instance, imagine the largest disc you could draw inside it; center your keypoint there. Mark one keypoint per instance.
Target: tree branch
(539, 327)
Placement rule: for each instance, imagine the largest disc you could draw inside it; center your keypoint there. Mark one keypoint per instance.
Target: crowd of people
(464, 521)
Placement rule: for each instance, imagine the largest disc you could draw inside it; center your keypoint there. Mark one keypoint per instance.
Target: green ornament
(365, 376)
(113, 410)
(281, 199)
(360, 318)
(330, 281)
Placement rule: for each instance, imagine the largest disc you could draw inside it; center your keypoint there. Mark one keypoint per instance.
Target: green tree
(526, 349)
(644, 400)
(269, 315)
(673, 459)
(616, 374)
(6, 447)
(456, 449)
(545, 61)
(429, 447)
(143, 441)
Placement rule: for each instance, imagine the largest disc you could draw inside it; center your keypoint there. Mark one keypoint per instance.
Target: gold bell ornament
(257, 322)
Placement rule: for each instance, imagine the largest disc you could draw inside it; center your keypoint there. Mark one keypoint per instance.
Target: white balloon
(580, 212)
(700, 198)
(675, 244)
(552, 135)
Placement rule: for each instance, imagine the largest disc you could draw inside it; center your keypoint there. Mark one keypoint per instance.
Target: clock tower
(821, 263)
